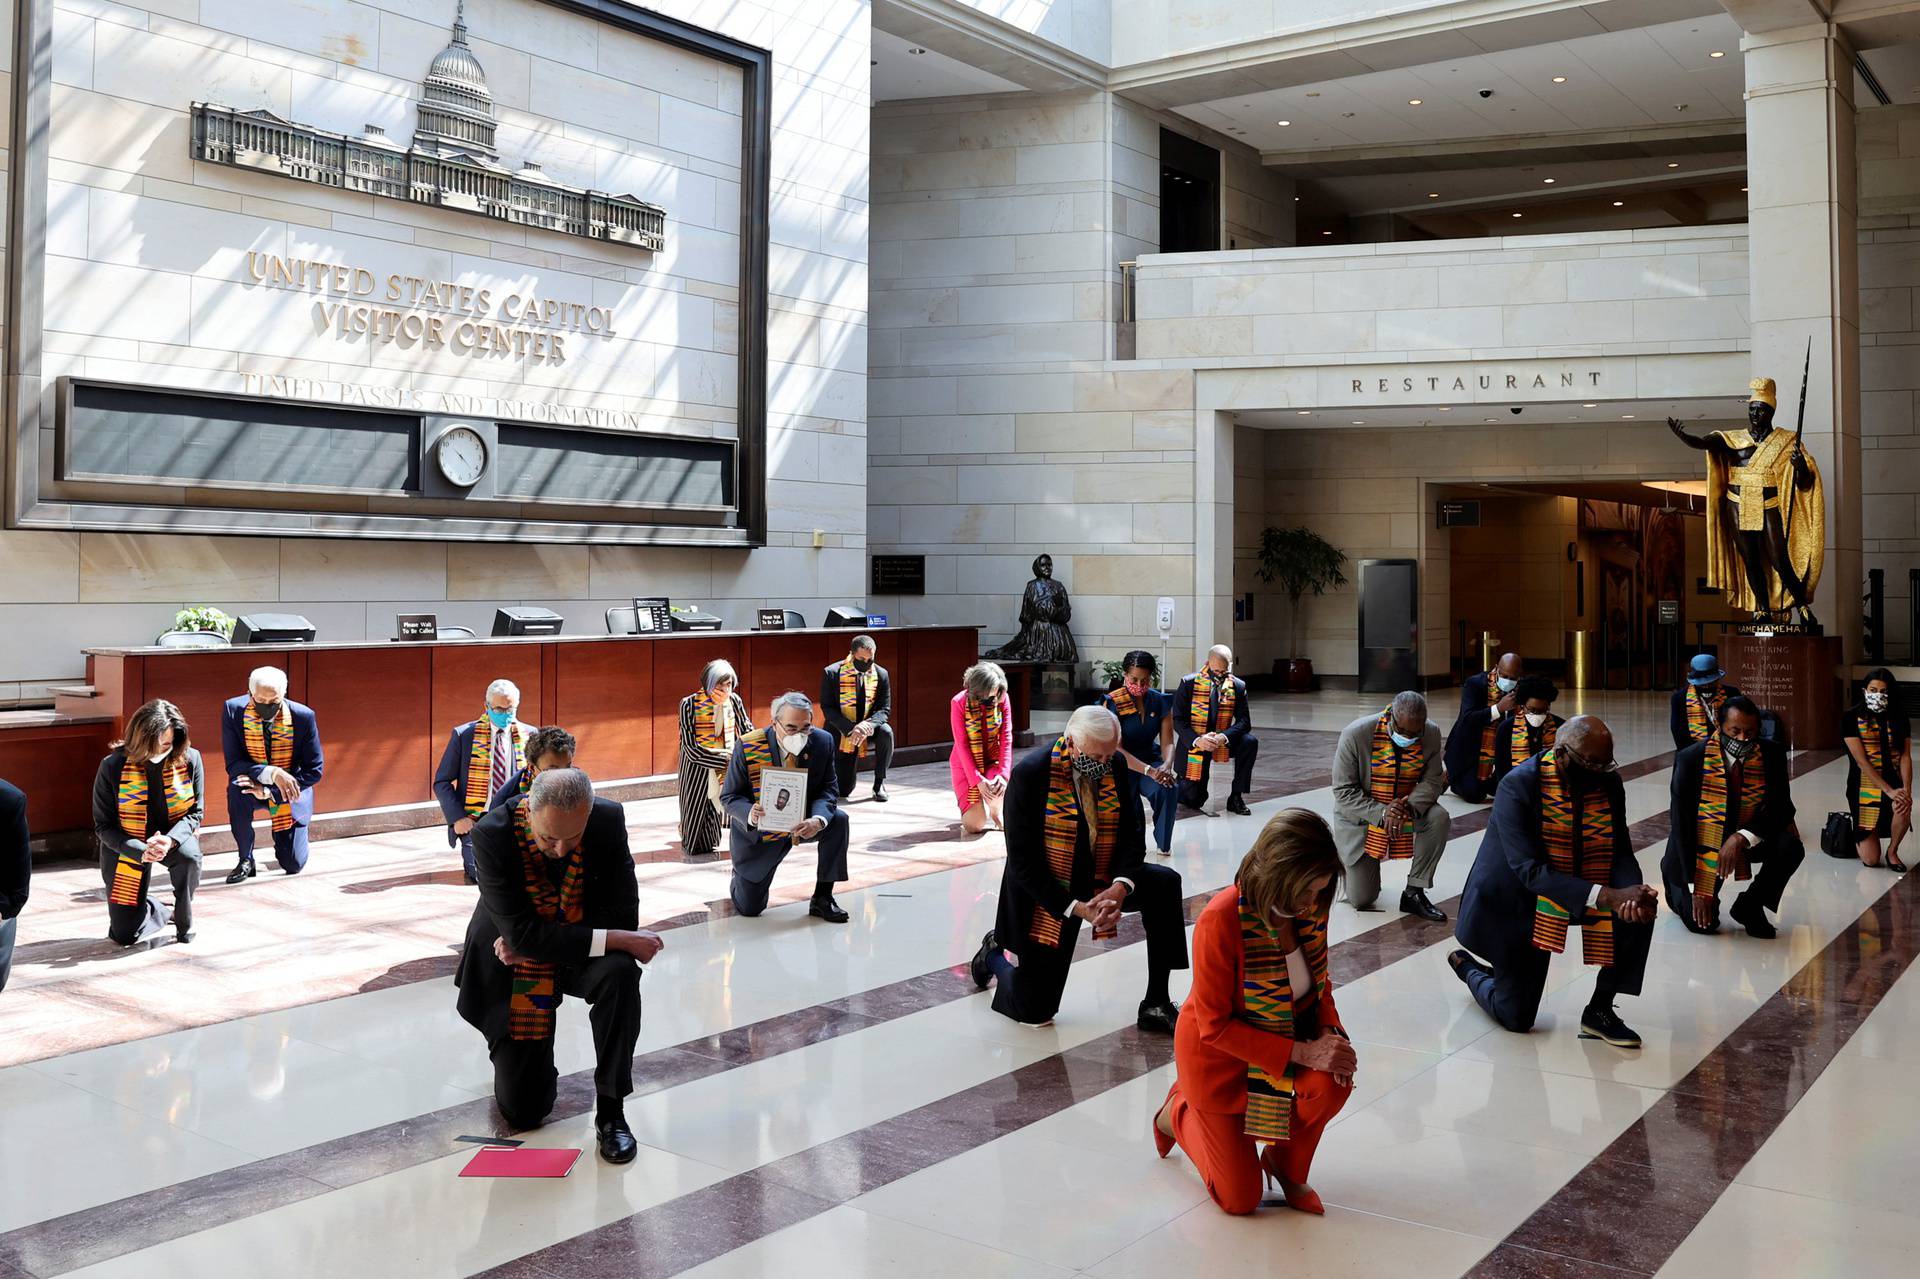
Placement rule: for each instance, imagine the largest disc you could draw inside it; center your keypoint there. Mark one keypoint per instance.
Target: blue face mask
(1504, 684)
(499, 719)
(1401, 739)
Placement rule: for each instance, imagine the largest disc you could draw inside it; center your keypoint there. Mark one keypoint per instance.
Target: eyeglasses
(1592, 766)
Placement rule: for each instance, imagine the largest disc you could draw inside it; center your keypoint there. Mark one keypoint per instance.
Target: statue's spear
(1793, 461)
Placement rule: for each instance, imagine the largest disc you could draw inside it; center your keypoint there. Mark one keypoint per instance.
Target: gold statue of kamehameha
(1766, 512)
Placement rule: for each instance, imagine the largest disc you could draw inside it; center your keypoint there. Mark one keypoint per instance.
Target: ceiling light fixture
(1414, 102)
(1433, 195)
(1673, 164)
(1548, 181)
(1303, 412)
(1326, 233)
(916, 51)
(1559, 79)
(1519, 215)
(1283, 123)
(1718, 53)
(1358, 422)
(1626, 417)
(1589, 406)
(1619, 204)
(1444, 408)
(1743, 189)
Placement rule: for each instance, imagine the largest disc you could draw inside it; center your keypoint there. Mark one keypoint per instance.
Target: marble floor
(286, 1096)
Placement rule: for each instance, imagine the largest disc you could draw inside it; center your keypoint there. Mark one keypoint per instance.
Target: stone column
(1805, 275)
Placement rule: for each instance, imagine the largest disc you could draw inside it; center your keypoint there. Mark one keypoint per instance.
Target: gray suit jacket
(1354, 809)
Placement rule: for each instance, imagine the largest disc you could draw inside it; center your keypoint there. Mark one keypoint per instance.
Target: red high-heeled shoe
(1307, 1200)
(1161, 1142)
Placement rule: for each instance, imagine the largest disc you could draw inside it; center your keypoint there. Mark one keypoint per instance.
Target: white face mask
(1536, 719)
(161, 758)
(1876, 701)
(794, 742)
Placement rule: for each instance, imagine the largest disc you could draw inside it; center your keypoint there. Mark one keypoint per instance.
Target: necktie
(502, 744)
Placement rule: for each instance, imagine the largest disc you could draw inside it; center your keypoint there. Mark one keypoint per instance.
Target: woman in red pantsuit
(1263, 1062)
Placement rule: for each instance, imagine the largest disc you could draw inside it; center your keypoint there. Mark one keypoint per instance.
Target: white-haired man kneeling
(1077, 850)
(558, 915)
(274, 760)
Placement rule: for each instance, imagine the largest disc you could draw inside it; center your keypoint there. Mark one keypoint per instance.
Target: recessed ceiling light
(916, 51)
(1589, 406)
(1626, 417)
(1433, 195)
(1358, 422)
(1489, 419)
(1296, 199)
(1619, 204)
(1559, 79)
(1326, 233)
(1314, 94)
(1743, 188)
(1548, 181)
(1283, 123)
(1519, 215)
(1304, 412)
(1718, 53)
(1444, 408)
(1673, 164)
(1414, 102)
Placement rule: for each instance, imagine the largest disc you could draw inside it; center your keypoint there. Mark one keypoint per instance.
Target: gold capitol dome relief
(453, 162)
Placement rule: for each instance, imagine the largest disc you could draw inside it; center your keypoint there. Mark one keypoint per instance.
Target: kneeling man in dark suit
(790, 741)
(1076, 850)
(1556, 854)
(558, 915)
(1732, 808)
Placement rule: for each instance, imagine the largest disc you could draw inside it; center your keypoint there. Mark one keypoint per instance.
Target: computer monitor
(527, 620)
(845, 615)
(273, 628)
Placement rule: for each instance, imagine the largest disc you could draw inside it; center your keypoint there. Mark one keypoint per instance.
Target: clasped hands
(157, 847)
(860, 732)
(639, 943)
(1330, 1052)
(1102, 910)
(1398, 814)
(1637, 904)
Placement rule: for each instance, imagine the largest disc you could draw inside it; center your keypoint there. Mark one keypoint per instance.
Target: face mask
(1735, 748)
(1876, 701)
(863, 664)
(266, 710)
(1536, 719)
(1088, 766)
(1400, 739)
(1136, 686)
(161, 758)
(499, 719)
(1504, 684)
(794, 742)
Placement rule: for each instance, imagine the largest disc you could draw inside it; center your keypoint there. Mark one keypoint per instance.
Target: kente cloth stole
(1061, 836)
(1703, 712)
(983, 739)
(1211, 711)
(713, 726)
(758, 752)
(1490, 735)
(130, 871)
(480, 763)
(1713, 823)
(1768, 465)
(271, 743)
(536, 992)
(1520, 747)
(1267, 994)
(1873, 742)
(1392, 773)
(1580, 844)
(850, 677)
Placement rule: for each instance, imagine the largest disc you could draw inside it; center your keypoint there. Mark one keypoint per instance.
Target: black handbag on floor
(1837, 839)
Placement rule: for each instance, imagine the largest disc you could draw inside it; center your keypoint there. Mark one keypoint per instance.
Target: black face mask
(1737, 749)
(266, 710)
(863, 664)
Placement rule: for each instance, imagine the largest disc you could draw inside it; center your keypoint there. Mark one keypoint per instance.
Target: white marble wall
(1146, 30)
(1601, 293)
(146, 248)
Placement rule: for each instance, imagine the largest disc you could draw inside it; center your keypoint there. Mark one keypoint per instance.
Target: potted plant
(1112, 672)
(200, 619)
(1301, 560)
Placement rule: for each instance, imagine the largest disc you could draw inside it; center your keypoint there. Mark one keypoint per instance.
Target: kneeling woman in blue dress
(1146, 740)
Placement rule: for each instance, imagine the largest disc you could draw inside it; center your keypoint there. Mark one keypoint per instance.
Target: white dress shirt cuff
(1122, 879)
(1068, 912)
(598, 947)
(1753, 840)
(1593, 897)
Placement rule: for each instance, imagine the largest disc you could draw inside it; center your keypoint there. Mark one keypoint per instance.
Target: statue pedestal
(1048, 687)
(1795, 675)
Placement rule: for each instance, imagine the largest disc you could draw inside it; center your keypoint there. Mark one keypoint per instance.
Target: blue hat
(1703, 669)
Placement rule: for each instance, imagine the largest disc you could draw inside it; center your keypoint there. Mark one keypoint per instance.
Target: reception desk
(385, 709)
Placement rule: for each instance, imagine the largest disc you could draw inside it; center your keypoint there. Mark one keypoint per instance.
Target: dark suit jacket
(1511, 870)
(839, 725)
(1183, 715)
(308, 761)
(823, 791)
(1768, 825)
(505, 910)
(1677, 712)
(1463, 752)
(1473, 695)
(1027, 884)
(16, 865)
(450, 779)
(106, 808)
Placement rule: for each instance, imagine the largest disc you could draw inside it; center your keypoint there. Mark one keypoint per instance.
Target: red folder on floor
(524, 1161)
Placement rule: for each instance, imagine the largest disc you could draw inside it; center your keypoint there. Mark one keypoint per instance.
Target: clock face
(461, 456)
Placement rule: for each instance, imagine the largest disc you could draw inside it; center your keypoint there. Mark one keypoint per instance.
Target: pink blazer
(965, 775)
